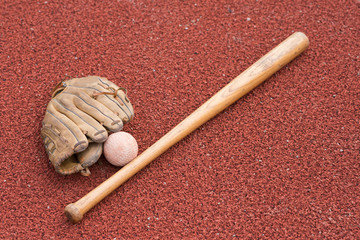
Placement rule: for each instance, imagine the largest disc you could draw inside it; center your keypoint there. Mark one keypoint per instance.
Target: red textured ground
(283, 162)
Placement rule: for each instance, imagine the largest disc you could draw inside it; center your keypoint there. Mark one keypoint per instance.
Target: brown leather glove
(77, 121)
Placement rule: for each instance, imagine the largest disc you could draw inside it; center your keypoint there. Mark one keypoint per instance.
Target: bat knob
(73, 213)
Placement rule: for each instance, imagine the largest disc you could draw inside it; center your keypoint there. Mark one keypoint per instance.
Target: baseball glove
(78, 118)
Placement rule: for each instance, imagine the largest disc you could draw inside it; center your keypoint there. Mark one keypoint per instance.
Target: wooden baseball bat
(241, 85)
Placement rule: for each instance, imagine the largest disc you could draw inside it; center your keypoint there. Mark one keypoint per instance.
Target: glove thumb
(89, 156)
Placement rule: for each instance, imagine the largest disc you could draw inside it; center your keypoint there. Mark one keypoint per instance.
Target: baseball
(120, 148)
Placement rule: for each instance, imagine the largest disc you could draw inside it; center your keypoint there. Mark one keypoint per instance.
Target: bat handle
(241, 85)
(73, 213)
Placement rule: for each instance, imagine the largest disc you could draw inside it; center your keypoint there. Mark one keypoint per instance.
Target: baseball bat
(238, 87)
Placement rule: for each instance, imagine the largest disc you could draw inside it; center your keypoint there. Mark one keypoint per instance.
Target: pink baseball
(120, 148)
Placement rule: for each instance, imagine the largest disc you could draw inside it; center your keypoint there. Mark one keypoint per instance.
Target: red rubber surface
(283, 162)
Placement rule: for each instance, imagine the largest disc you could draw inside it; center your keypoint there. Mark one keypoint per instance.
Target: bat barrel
(240, 86)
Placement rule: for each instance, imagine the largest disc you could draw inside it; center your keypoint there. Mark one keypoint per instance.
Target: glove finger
(90, 155)
(97, 110)
(120, 103)
(88, 125)
(95, 85)
(121, 110)
(66, 129)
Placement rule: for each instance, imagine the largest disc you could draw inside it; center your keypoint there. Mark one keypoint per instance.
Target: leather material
(78, 118)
